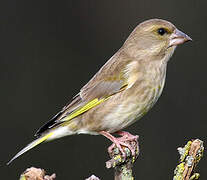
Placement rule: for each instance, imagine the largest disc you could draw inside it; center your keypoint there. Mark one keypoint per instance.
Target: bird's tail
(52, 134)
(32, 145)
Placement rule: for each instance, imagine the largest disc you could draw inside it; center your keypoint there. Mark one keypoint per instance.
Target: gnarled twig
(190, 155)
(123, 167)
(36, 174)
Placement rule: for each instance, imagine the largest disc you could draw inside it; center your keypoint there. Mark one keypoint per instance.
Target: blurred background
(50, 49)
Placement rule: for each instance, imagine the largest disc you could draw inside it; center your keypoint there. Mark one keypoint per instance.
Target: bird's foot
(128, 136)
(126, 140)
(117, 142)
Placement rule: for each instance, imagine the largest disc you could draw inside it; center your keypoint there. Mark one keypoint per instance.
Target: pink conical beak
(178, 37)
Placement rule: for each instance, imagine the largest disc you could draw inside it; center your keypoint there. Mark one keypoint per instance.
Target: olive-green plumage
(123, 90)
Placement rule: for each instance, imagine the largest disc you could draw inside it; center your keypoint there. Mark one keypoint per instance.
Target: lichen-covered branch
(190, 155)
(36, 174)
(123, 166)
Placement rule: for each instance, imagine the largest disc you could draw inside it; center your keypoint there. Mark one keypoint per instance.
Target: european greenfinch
(122, 91)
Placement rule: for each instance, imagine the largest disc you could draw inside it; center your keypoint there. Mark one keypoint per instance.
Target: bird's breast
(137, 100)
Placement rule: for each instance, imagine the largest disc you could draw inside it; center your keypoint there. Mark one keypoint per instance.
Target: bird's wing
(89, 97)
(108, 81)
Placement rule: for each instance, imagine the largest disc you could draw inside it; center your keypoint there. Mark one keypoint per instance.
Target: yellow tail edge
(31, 145)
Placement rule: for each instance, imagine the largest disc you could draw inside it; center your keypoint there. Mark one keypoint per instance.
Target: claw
(125, 140)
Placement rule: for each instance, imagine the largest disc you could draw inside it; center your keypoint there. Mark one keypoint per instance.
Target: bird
(124, 89)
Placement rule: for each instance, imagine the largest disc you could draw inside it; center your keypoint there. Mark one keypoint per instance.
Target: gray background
(50, 49)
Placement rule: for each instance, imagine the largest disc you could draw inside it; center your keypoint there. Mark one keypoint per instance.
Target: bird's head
(155, 37)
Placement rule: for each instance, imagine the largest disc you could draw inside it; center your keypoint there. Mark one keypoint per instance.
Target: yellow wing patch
(85, 108)
(89, 106)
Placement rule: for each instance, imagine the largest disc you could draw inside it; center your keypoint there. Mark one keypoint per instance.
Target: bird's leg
(125, 140)
(128, 136)
(116, 142)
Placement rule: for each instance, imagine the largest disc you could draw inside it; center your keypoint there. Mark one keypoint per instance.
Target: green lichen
(195, 176)
(22, 177)
(179, 171)
(118, 160)
(185, 151)
(126, 173)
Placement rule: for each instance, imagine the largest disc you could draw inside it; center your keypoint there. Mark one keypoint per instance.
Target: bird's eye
(161, 31)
